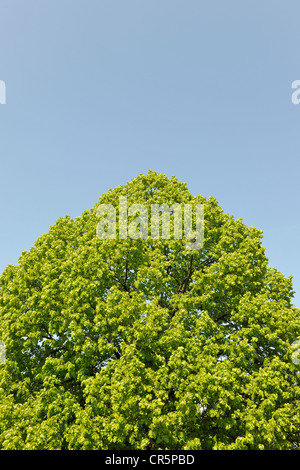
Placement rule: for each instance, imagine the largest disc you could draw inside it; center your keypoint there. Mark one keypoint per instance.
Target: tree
(142, 344)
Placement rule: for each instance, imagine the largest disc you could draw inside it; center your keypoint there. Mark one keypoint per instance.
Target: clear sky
(99, 91)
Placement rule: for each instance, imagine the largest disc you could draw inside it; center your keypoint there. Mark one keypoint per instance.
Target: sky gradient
(98, 92)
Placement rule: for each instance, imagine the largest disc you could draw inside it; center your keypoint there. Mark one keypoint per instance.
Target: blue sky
(100, 91)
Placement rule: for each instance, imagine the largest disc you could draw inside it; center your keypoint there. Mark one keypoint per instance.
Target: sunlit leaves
(142, 344)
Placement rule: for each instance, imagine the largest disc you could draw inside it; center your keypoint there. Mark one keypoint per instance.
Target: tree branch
(185, 282)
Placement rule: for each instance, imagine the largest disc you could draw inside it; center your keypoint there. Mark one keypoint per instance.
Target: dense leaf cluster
(141, 344)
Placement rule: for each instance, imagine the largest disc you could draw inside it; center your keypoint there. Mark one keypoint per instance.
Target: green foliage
(140, 344)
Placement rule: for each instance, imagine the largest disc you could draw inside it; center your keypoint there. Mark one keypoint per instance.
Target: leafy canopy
(141, 344)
